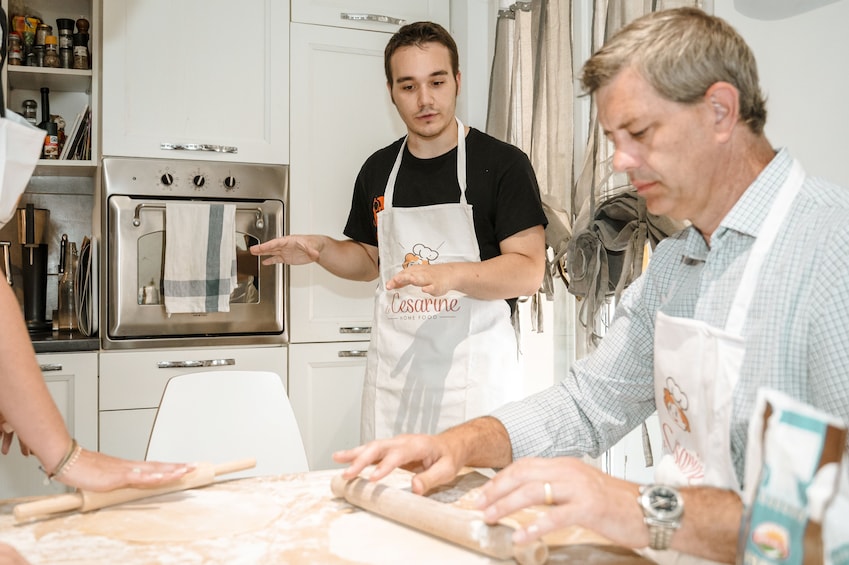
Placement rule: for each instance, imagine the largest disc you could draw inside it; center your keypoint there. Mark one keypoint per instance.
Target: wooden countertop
(265, 520)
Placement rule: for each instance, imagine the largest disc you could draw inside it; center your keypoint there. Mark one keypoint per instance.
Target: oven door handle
(194, 364)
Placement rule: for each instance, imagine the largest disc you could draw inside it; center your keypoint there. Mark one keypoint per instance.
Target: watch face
(664, 502)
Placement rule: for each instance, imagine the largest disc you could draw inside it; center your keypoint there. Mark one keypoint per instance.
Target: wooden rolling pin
(459, 526)
(84, 501)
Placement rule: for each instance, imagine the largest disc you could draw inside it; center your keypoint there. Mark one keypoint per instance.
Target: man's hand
(290, 249)
(431, 457)
(577, 493)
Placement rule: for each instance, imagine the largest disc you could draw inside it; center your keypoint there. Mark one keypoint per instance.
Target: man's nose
(425, 97)
(623, 159)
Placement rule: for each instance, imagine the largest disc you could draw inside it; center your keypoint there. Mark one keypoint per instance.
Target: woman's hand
(7, 434)
(95, 471)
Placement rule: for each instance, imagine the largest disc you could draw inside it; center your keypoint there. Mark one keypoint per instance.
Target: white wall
(802, 61)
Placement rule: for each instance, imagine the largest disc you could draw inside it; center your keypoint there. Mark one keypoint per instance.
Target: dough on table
(183, 516)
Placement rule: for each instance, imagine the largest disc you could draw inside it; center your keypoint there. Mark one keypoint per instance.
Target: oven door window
(151, 269)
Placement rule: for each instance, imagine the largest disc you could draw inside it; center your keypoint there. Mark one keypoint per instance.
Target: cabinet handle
(200, 363)
(355, 330)
(373, 18)
(198, 147)
(50, 367)
(352, 353)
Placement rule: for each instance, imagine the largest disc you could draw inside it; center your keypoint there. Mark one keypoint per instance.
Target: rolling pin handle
(52, 505)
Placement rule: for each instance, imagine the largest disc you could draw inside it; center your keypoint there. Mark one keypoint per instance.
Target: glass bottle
(45, 108)
(81, 58)
(16, 51)
(51, 52)
(67, 291)
(30, 111)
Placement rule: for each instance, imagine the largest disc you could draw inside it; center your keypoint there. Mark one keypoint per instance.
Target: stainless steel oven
(135, 192)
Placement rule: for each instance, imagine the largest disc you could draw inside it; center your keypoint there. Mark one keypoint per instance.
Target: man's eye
(438, 82)
(639, 134)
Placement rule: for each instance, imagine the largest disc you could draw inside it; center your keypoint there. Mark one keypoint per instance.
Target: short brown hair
(419, 33)
(681, 53)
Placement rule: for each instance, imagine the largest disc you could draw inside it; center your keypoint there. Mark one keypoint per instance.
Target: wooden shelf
(65, 168)
(59, 80)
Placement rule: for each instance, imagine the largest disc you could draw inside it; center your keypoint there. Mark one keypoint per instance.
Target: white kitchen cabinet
(341, 114)
(71, 90)
(132, 382)
(375, 15)
(325, 388)
(72, 381)
(204, 75)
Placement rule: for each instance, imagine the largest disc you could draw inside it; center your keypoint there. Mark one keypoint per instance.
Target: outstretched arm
(28, 409)
(516, 272)
(347, 259)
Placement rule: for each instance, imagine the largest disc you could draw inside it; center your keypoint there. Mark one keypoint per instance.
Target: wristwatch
(663, 508)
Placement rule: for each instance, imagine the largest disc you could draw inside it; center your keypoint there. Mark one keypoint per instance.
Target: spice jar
(30, 111)
(51, 52)
(81, 59)
(41, 33)
(51, 142)
(66, 32)
(16, 56)
(37, 56)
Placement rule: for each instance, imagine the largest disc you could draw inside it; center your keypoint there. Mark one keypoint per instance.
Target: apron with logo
(696, 368)
(433, 361)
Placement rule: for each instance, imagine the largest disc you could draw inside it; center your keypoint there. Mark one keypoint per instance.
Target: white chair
(220, 416)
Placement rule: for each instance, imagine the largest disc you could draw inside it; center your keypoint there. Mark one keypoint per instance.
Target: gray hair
(681, 53)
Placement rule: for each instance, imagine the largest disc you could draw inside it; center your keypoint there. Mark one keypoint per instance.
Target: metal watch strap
(660, 537)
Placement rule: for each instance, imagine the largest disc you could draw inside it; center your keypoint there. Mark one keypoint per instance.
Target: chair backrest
(220, 416)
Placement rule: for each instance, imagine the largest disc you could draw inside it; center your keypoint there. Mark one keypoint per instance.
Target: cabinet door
(341, 114)
(325, 388)
(132, 383)
(198, 73)
(376, 15)
(72, 381)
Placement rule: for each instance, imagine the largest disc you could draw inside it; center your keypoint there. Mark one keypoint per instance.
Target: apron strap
(763, 242)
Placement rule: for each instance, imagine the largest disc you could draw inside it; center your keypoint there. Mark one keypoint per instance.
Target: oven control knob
(230, 183)
(198, 180)
(167, 179)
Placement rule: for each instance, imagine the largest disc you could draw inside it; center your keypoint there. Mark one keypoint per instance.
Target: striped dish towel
(200, 257)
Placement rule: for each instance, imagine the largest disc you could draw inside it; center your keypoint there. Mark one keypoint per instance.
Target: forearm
(348, 259)
(505, 276)
(25, 401)
(481, 442)
(711, 523)
(518, 271)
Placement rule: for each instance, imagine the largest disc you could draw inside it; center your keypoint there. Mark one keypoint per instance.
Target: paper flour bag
(797, 486)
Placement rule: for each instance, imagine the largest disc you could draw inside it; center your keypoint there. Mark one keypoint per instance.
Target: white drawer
(136, 379)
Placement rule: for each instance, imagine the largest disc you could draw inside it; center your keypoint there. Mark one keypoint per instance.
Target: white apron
(696, 368)
(433, 362)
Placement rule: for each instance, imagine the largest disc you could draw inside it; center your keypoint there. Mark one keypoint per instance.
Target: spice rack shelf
(58, 80)
(71, 90)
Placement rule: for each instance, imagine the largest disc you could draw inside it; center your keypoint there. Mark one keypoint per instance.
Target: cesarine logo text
(398, 305)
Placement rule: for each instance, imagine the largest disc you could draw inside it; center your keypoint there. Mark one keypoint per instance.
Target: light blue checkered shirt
(797, 330)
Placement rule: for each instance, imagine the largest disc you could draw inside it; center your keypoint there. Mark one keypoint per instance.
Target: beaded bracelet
(69, 459)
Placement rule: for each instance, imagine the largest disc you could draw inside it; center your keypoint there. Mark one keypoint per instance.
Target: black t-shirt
(500, 185)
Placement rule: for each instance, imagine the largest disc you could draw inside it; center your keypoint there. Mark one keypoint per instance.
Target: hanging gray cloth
(605, 253)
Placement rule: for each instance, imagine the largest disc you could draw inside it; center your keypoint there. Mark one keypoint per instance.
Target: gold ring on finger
(549, 495)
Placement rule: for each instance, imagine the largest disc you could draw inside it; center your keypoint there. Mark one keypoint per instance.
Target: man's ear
(457, 78)
(724, 100)
(389, 88)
